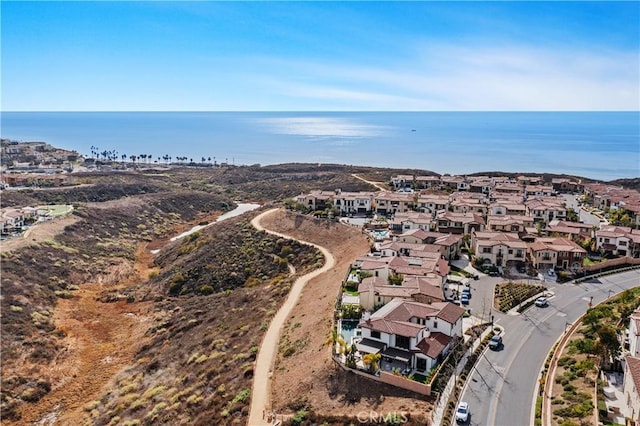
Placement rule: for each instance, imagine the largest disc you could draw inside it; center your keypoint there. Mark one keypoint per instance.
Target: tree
(334, 339)
(350, 356)
(608, 342)
(572, 215)
(371, 361)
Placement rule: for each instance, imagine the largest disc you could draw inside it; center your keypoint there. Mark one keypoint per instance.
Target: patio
(617, 408)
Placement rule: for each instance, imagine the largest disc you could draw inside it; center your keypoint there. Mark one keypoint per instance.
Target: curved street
(261, 389)
(501, 389)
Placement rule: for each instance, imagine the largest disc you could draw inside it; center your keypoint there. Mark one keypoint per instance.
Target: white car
(541, 302)
(462, 412)
(551, 273)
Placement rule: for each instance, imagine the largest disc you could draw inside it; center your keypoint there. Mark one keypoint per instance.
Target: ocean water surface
(598, 145)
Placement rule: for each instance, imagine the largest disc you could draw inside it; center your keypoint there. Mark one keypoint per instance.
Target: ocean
(597, 145)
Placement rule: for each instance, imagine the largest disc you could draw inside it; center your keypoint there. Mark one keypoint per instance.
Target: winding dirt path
(261, 392)
(378, 185)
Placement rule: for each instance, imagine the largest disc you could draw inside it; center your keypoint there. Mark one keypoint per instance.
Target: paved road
(500, 390)
(261, 391)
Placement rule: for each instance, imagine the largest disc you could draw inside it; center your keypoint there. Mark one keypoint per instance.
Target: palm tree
(350, 356)
(336, 339)
(371, 360)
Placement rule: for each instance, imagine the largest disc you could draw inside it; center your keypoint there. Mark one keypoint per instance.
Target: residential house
(546, 210)
(432, 203)
(403, 222)
(375, 292)
(468, 205)
(390, 203)
(538, 191)
(353, 202)
(634, 333)
(414, 335)
(507, 188)
(549, 252)
(427, 182)
(501, 248)
(573, 230)
(618, 240)
(631, 388)
(563, 185)
(402, 181)
(507, 208)
(459, 223)
(316, 200)
(509, 223)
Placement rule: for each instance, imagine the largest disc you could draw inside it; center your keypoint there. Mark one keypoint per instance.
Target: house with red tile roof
(509, 223)
(573, 230)
(549, 253)
(618, 240)
(374, 292)
(415, 335)
(459, 223)
(546, 209)
(501, 248)
(631, 388)
(389, 203)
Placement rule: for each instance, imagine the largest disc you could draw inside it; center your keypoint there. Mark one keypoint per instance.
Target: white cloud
(450, 77)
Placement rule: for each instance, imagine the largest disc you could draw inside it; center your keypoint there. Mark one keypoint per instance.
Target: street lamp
(609, 293)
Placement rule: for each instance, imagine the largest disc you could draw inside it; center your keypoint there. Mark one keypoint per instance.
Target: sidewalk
(438, 411)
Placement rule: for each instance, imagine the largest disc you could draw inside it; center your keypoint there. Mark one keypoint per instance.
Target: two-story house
(618, 240)
(459, 223)
(501, 248)
(390, 203)
(549, 253)
(353, 202)
(415, 335)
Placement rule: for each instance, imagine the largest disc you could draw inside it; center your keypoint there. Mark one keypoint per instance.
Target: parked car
(466, 292)
(462, 412)
(464, 299)
(541, 302)
(495, 342)
(551, 273)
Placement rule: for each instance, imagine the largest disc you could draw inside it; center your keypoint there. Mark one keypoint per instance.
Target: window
(375, 334)
(486, 249)
(402, 342)
(622, 243)
(421, 364)
(510, 251)
(435, 323)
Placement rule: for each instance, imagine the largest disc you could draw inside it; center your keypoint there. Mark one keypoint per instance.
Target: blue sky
(320, 56)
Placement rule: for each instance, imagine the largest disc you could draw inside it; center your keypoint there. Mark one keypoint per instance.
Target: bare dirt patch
(307, 377)
(100, 340)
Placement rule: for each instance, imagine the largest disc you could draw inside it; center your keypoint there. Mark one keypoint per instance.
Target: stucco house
(459, 223)
(618, 240)
(631, 387)
(500, 248)
(415, 335)
(375, 292)
(547, 253)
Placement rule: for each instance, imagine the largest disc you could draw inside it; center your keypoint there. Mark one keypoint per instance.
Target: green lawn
(351, 292)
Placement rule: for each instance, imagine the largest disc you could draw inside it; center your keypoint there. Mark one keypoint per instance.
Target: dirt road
(261, 393)
(378, 185)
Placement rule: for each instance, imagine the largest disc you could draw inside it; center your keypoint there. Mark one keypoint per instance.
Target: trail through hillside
(261, 394)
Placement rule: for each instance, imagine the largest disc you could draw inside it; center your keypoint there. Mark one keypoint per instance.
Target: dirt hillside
(308, 378)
